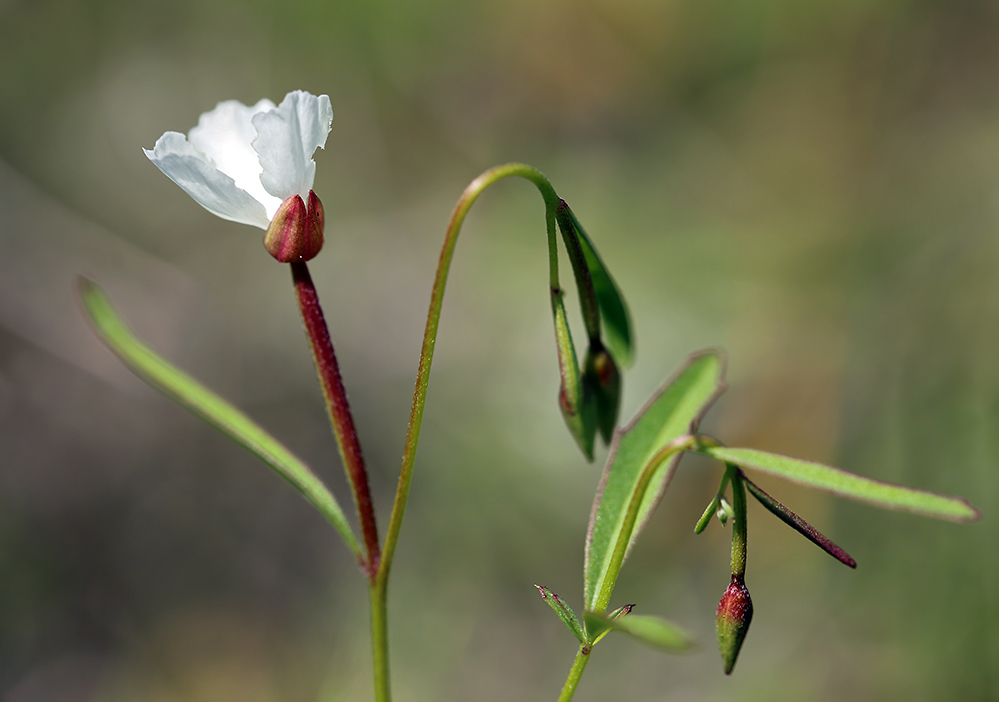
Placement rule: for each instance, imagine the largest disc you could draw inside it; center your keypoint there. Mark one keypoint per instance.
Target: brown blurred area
(812, 186)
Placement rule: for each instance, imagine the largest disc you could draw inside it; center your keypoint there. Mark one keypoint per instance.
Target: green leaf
(671, 414)
(564, 612)
(613, 310)
(652, 631)
(588, 304)
(839, 482)
(203, 402)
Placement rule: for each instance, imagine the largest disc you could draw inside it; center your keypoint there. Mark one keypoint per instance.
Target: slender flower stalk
(339, 411)
(379, 629)
(471, 194)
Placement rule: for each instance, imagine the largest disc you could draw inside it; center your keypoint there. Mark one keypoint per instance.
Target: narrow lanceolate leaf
(672, 413)
(651, 631)
(855, 487)
(799, 524)
(564, 612)
(210, 407)
(613, 310)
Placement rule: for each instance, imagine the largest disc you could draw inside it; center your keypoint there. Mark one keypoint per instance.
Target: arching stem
(378, 587)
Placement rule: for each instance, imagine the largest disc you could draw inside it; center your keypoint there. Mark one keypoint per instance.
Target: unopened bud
(581, 420)
(735, 612)
(296, 231)
(602, 374)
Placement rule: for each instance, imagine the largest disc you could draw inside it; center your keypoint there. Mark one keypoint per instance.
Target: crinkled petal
(195, 173)
(225, 135)
(286, 139)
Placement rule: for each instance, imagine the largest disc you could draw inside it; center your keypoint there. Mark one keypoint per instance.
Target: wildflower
(243, 163)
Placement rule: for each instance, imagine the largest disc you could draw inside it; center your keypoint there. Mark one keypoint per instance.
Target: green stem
(379, 640)
(575, 673)
(739, 527)
(472, 192)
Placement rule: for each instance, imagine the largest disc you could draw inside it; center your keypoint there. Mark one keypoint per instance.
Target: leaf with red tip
(564, 612)
(799, 525)
(621, 611)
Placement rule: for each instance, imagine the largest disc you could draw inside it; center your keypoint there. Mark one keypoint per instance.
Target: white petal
(225, 135)
(286, 139)
(195, 173)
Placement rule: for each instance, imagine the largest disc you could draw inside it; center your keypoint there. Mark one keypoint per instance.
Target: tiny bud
(735, 612)
(296, 232)
(725, 510)
(602, 374)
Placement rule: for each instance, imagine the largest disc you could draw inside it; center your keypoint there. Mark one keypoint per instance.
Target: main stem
(379, 639)
(339, 411)
(379, 584)
(575, 673)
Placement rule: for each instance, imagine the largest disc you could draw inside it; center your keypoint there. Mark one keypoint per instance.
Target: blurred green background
(813, 186)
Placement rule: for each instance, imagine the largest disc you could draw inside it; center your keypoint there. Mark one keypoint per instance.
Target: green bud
(601, 374)
(575, 397)
(296, 231)
(735, 612)
(582, 418)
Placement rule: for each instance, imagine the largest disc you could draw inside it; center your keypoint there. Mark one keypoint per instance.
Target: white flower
(241, 163)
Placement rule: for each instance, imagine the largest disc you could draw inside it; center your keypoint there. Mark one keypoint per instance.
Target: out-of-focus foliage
(812, 186)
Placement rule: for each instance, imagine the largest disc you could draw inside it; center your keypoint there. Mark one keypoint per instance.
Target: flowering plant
(254, 165)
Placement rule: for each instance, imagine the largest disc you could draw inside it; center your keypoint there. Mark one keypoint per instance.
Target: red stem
(339, 410)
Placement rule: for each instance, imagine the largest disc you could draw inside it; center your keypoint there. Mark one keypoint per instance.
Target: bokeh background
(813, 186)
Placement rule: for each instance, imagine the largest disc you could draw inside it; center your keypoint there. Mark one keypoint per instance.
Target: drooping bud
(735, 612)
(576, 398)
(603, 377)
(581, 417)
(296, 231)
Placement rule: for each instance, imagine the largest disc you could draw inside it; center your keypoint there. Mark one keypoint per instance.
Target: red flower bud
(296, 232)
(735, 612)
